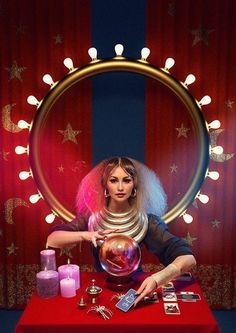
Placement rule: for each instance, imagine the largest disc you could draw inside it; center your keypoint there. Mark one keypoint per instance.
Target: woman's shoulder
(77, 224)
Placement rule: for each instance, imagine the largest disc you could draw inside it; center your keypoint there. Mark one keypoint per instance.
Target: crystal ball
(119, 255)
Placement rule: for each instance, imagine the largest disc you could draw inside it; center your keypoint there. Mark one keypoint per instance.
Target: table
(58, 314)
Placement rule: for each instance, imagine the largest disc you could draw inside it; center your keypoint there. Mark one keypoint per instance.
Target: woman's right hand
(94, 236)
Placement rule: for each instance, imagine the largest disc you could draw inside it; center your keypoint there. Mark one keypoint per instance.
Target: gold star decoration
(69, 134)
(4, 155)
(20, 29)
(215, 223)
(171, 8)
(58, 39)
(189, 239)
(229, 104)
(173, 168)
(182, 131)
(15, 71)
(60, 169)
(12, 249)
(201, 35)
(66, 251)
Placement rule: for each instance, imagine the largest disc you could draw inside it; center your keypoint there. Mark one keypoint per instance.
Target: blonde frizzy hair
(150, 197)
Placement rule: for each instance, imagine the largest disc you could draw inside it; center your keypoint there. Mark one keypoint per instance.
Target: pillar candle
(48, 260)
(67, 286)
(72, 271)
(47, 283)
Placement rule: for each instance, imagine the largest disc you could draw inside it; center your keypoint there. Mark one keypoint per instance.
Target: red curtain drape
(36, 36)
(201, 37)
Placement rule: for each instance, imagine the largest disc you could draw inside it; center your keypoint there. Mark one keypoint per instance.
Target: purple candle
(67, 286)
(48, 260)
(47, 283)
(71, 271)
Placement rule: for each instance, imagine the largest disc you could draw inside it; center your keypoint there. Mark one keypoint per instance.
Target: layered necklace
(131, 223)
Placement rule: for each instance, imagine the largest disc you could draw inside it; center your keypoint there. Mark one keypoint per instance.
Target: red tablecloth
(57, 314)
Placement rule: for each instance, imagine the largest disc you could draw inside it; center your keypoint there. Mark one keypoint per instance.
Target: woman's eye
(112, 181)
(127, 180)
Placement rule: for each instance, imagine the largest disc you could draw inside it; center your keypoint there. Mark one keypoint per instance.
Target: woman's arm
(61, 238)
(179, 266)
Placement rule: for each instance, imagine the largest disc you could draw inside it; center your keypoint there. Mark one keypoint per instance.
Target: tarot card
(126, 302)
(169, 297)
(153, 299)
(188, 296)
(171, 308)
(168, 287)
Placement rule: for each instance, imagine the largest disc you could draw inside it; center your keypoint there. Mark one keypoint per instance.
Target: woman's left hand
(146, 289)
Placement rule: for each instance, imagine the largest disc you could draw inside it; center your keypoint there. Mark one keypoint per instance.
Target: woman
(121, 191)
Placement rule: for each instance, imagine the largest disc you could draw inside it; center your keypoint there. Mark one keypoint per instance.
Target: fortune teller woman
(123, 188)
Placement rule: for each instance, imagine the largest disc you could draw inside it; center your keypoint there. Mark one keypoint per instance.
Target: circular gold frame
(126, 65)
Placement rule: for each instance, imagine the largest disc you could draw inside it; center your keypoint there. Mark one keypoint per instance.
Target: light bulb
(213, 175)
(24, 175)
(119, 48)
(34, 198)
(145, 53)
(68, 63)
(50, 218)
(19, 150)
(203, 198)
(23, 124)
(187, 218)
(48, 79)
(32, 100)
(214, 124)
(169, 63)
(205, 100)
(189, 79)
(92, 53)
(217, 150)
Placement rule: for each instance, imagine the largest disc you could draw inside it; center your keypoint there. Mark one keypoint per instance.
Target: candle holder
(93, 291)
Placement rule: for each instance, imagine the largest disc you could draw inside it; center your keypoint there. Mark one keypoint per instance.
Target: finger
(94, 241)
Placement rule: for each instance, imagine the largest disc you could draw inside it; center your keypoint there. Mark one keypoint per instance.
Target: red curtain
(36, 36)
(201, 37)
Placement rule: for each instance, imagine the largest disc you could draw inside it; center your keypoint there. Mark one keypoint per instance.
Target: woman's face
(119, 185)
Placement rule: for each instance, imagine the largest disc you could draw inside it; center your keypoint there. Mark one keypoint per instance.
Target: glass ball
(120, 255)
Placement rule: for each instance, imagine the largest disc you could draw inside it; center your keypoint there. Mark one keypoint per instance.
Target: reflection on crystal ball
(120, 255)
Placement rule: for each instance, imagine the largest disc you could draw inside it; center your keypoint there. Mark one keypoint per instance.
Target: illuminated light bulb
(23, 175)
(213, 175)
(214, 124)
(19, 150)
(23, 124)
(50, 218)
(68, 63)
(119, 48)
(145, 53)
(32, 100)
(217, 150)
(48, 79)
(203, 198)
(93, 53)
(34, 198)
(205, 100)
(188, 218)
(169, 63)
(189, 80)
